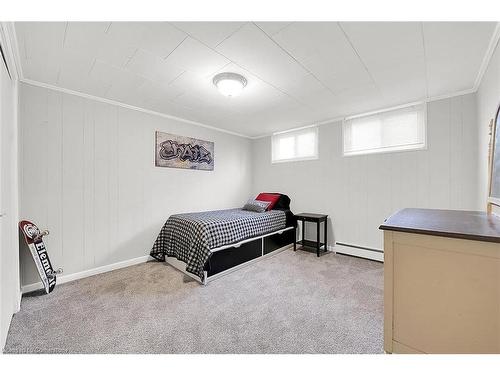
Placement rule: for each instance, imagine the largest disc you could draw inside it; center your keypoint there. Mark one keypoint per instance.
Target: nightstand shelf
(310, 244)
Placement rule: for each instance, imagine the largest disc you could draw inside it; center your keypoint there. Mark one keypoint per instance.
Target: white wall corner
(495, 37)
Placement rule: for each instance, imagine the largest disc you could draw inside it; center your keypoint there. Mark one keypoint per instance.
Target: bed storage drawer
(233, 256)
(277, 241)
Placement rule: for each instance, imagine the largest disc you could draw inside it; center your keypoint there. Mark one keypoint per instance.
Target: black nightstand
(312, 218)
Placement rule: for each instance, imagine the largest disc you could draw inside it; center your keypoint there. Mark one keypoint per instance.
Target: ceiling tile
(123, 86)
(161, 38)
(22, 29)
(250, 48)
(40, 49)
(324, 50)
(194, 83)
(151, 91)
(74, 70)
(195, 57)
(40, 70)
(158, 38)
(118, 54)
(272, 28)
(41, 39)
(193, 101)
(100, 41)
(100, 77)
(454, 52)
(357, 100)
(152, 67)
(383, 44)
(394, 54)
(85, 37)
(401, 84)
(210, 33)
(322, 105)
(306, 89)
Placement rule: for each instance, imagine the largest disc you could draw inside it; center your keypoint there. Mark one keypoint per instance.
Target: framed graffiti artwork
(175, 151)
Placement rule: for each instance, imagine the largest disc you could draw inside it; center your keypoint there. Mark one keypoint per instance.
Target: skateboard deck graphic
(34, 240)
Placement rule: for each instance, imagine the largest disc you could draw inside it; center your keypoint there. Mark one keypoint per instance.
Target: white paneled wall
(88, 176)
(359, 192)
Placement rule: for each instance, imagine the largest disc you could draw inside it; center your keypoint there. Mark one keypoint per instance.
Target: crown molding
(11, 49)
(388, 109)
(487, 56)
(128, 106)
(342, 118)
(164, 115)
(450, 95)
(295, 129)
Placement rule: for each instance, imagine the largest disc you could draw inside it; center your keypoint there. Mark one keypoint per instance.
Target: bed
(206, 245)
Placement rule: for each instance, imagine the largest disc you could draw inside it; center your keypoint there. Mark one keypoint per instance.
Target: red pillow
(268, 197)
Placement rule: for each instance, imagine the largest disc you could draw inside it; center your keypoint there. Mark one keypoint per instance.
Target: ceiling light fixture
(230, 84)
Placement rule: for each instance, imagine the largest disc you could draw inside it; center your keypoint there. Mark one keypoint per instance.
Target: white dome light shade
(230, 84)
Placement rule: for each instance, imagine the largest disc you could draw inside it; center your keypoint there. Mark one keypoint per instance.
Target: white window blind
(393, 130)
(299, 144)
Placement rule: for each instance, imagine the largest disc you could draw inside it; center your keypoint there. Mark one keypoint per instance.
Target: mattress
(190, 237)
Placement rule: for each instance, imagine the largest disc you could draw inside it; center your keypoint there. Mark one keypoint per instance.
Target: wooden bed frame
(229, 258)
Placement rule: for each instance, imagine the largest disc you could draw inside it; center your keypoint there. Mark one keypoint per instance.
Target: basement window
(399, 129)
(300, 144)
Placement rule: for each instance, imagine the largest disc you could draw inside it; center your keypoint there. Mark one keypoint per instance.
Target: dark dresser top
(470, 225)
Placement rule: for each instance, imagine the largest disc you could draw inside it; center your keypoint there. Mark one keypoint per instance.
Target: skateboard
(34, 239)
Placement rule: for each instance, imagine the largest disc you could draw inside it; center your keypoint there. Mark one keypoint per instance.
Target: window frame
(296, 158)
(388, 149)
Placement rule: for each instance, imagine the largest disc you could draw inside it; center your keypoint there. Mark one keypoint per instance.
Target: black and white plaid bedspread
(190, 237)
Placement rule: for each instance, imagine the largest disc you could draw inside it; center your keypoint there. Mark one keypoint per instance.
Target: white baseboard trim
(341, 249)
(91, 272)
(358, 252)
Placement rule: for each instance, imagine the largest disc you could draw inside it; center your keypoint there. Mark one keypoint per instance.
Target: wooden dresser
(441, 282)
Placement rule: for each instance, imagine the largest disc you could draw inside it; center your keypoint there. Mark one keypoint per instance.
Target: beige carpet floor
(288, 303)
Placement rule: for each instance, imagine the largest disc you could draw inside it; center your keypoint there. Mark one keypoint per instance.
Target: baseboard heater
(359, 251)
